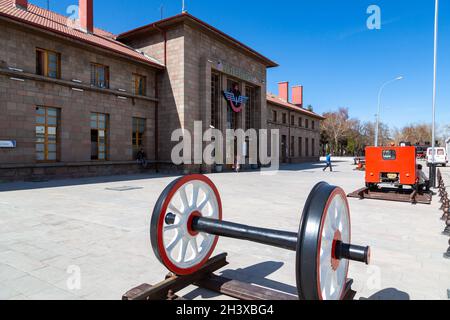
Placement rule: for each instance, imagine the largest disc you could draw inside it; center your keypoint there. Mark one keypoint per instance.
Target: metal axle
(275, 238)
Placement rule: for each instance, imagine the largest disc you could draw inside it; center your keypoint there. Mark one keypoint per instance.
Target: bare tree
(335, 127)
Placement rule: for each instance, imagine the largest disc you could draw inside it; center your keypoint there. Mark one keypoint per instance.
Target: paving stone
(106, 235)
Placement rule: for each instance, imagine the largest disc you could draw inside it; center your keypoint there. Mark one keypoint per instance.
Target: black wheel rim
(309, 239)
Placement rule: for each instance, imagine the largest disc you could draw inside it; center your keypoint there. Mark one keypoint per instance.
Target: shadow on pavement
(21, 186)
(255, 274)
(389, 294)
(30, 185)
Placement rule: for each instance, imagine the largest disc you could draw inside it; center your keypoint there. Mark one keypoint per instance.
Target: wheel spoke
(333, 284)
(174, 243)
(194, 247)
(171, 227)
(204, 202)
(195, 195)
(206, 238)
(174, 209)
(326, 283)
(184, 246)
(341, 276)
(184, 198)
(328, 230)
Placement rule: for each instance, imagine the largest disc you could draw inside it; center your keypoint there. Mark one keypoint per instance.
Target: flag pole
(433, 164)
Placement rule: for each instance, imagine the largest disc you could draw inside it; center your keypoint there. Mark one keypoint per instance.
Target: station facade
(79, 101)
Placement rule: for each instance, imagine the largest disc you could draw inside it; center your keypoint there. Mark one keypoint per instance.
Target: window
(389, 155)
(313, 124)
(274, 116)
(307, 147)
(307, 123)
(292, 149)
(46, 134)
(250, 92)
(99, 136)
(48, 63)
(313, 147)
(300, 122)
(99, 75)
(292, 121)
(215, 101)
(300, 147)
(138, 134)
(283, 147)
(232, 117)
(139, 85)
(284, 118)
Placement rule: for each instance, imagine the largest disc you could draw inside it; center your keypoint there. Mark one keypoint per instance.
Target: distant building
(299, 127)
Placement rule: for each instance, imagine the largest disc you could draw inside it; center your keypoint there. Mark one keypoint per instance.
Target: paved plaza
(50, 231)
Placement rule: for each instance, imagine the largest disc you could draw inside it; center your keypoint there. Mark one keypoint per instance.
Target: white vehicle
(440, 157)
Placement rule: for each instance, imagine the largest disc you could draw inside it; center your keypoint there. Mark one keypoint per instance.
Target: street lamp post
(377, 127)
(433, 164)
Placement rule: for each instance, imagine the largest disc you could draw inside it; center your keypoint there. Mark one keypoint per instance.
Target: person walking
(328, 162)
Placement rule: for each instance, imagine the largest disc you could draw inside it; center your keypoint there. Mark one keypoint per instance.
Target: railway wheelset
(187, 222)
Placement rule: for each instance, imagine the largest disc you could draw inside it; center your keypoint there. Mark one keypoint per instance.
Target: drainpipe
(156, 123)
(289, 138)
(164, 33)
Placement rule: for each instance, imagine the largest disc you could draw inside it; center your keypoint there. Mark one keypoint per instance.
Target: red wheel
(182, 250)
(325, 222)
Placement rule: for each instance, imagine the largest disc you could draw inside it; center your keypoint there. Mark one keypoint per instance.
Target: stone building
(201, 62)
(76, 100)
(299, 128)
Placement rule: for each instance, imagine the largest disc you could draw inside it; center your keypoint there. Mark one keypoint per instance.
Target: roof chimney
(297, 96)
(22, 4)
(86, 15)
(283, 91)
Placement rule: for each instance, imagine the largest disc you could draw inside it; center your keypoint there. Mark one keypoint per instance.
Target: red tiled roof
(284, 104)
(181, 17)
(53, 22)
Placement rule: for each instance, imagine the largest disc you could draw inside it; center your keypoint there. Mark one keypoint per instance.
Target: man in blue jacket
(328, 161)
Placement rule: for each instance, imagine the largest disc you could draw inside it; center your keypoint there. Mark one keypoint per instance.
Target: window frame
(136, 87)
(300, 147)
(95, 82)
(46, 126)
(140, 136)
(390, 158)
(106, 130)
(250, 109)
(307, 148)
(44, 62)
(292, 147)
(216, 106)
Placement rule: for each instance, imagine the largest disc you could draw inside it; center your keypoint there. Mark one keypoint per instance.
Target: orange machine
(395, 165)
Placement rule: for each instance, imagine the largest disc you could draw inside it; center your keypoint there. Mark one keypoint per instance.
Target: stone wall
(185, 89)
(171, 84)
(19, 99)
(297, 132)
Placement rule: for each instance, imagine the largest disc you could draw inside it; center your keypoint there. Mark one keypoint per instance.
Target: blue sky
(325, 46)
